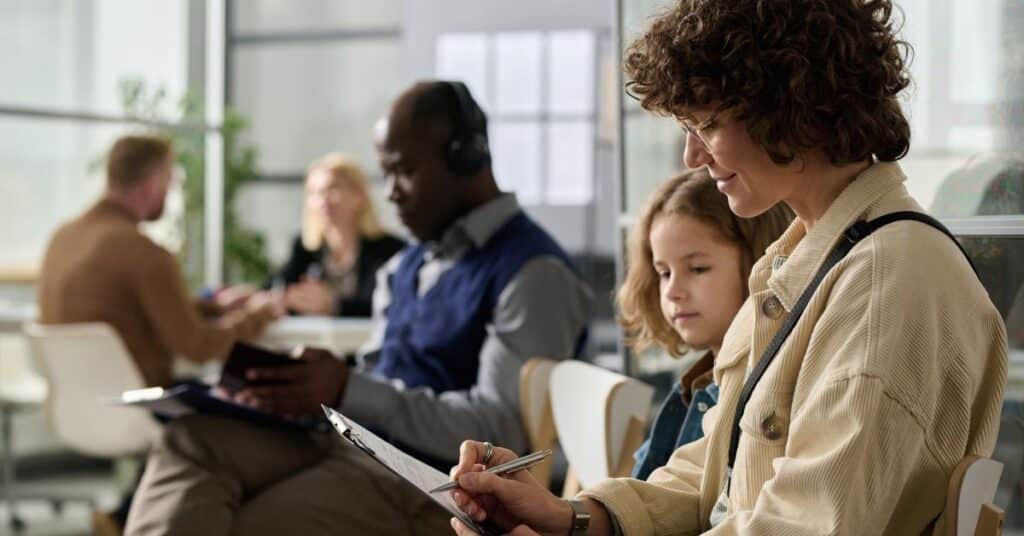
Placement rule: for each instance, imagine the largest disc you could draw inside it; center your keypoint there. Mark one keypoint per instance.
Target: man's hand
(266, 304)
(234, 297)
(310, 297)
(320, 378)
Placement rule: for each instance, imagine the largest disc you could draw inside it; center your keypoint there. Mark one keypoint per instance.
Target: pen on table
(517, 464)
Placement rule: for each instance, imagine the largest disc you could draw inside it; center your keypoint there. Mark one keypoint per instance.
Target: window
(538, 89)
(61, 108)
(310, 80)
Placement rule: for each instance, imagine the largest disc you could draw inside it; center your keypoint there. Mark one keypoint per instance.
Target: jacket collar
(790, 263)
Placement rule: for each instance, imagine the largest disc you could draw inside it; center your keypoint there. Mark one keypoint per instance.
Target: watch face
(580, 518)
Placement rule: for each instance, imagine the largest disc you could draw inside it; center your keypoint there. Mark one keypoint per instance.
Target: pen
(517, 464)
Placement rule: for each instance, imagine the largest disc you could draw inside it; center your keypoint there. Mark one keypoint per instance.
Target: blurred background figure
(334, 260)
(99, 267)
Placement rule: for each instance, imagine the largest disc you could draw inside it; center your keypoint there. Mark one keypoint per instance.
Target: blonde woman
(333, 262)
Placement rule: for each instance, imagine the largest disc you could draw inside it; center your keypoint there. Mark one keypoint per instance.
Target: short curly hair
(801, 74)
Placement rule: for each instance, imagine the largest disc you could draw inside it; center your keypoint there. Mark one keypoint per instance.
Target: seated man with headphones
(483, 290)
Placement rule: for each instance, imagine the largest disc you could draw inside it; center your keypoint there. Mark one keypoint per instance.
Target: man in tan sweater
(100, 268)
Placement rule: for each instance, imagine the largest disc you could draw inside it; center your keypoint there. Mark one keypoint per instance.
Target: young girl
(689, 259)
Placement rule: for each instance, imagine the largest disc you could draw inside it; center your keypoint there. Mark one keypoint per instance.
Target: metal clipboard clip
(341, 424)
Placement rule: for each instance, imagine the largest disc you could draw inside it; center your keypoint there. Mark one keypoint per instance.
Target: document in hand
(413, 471)
(196, 397)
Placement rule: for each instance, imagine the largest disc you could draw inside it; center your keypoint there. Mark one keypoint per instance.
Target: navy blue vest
(435, 340)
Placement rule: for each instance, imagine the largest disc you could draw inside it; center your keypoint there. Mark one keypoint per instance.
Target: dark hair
(800, 74)
(132, 158)
(693, 194)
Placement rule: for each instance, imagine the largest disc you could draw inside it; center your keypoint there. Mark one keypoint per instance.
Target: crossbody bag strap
(886, 219)
(854, 234)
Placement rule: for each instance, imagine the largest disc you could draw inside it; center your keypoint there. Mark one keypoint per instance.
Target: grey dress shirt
(540, 313)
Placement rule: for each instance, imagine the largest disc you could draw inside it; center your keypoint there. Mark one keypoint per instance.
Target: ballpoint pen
(517, 464)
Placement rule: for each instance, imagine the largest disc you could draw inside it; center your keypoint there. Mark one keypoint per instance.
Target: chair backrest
(969, 509)
(86, 365)
(600, 418)
(535, 410)
(20, 384)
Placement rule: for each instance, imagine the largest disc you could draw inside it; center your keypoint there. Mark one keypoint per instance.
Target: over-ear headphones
(467, 152)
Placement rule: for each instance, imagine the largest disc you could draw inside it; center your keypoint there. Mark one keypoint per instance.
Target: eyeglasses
(700, 130)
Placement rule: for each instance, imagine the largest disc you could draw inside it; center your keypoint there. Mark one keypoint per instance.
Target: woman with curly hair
(867, 360)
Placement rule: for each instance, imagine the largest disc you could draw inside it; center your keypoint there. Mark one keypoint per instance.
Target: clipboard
(189, 397)
(246, 356)
(406, 467)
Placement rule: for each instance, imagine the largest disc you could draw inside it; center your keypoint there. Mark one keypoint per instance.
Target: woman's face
(742, 169)
(334, 200)
(699, 278)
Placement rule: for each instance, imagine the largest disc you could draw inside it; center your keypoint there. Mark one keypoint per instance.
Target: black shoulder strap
(886, 219)
(857, 232)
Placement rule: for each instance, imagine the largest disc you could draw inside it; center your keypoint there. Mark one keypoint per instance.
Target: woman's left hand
(310, 297)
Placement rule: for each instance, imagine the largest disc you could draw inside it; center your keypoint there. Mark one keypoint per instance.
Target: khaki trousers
(218, 476)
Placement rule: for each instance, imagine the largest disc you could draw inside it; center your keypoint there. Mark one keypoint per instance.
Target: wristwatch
(580, 518)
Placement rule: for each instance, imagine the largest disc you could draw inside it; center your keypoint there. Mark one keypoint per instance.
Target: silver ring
(488, 452)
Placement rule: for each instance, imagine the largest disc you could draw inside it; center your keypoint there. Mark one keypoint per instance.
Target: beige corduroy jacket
(894, 373)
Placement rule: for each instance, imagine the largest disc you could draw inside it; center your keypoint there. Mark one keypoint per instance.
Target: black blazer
(373, 253)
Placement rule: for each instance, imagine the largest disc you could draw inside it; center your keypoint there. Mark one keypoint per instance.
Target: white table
(339, 335)
(14, 314)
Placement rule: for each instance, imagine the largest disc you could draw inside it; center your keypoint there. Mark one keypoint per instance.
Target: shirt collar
(804, 253)
(698, 376)
(110, 208)
(478, 226)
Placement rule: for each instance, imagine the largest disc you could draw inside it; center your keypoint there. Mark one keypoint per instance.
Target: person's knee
(189, 437)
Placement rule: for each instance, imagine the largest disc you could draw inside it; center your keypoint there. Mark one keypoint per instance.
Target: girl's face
(332, 199)
(742, 169)
(700, 283)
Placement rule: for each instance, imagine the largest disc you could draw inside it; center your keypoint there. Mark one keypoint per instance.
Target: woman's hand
(310, 297)
(517, 502)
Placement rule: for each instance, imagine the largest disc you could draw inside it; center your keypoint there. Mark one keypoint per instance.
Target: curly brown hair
(800, 74)
(692, 193)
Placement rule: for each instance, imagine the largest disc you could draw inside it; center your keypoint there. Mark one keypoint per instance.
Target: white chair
(87, 365)
(600, 417)
(969, 509)
(21, 389)
(535, 408)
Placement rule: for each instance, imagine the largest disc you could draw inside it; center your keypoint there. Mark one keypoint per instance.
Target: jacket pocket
(765, 433)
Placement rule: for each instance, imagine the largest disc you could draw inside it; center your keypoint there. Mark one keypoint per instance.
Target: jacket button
(771, 427)
(772, 308)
